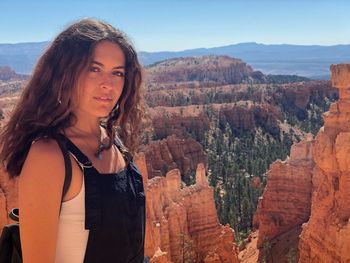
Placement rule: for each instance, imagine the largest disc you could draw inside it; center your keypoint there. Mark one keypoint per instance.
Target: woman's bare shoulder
(45, 146)
(44, 160)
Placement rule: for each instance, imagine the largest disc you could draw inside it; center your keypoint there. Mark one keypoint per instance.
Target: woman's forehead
(109, 54)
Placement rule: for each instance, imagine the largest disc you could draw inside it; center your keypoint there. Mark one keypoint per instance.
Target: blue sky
(155, 25)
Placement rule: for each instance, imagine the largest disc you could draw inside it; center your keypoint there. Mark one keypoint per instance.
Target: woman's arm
(40, 189)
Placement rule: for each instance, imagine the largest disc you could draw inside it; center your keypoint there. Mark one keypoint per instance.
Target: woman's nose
(106, 81)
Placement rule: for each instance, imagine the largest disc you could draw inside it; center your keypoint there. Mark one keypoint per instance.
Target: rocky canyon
(304, 211)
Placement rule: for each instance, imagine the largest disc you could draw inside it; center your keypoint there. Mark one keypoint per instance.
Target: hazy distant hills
(22, 56)
(309, 61)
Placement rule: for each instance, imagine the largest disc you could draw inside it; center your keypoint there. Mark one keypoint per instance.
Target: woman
(85, 88)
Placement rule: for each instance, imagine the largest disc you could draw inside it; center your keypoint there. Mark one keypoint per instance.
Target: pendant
(99, 156)
(99, 153)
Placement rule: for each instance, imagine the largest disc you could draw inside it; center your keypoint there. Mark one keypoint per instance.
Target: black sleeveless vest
(114, 212)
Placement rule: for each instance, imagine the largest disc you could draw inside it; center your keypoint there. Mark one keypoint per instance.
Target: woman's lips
(103, 99)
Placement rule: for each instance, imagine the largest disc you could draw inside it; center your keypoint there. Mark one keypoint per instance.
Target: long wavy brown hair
(46, 103)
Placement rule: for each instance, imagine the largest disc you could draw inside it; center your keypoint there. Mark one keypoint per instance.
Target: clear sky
(159, 25)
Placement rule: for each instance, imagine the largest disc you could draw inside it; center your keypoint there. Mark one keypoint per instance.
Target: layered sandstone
(182, 222)
(182, 125)
(245, 117)
(326, 236)
(292, 95)
(174, 152)
(286, 201)
(219, 69)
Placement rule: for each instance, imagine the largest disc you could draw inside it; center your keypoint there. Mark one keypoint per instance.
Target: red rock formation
(300, 94)
(7, 73)
(286, 200)
(182, 126)
(251, 253)
(250, 116)
(323, 175)
(326, 236)
(219, 69)
(182, 222)
(171, 153)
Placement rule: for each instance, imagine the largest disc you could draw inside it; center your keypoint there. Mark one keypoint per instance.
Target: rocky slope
(218, 69)
(325, 237)
(307, 194)
(174, 152)
(180, 124)
(7, 74)
(182, 224)
(247, 117)
(286, 201)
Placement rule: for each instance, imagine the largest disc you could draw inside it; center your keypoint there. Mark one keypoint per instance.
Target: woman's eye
(118, 73)
(94, 69)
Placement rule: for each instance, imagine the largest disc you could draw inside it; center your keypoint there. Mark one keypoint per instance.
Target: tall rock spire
(326, 237)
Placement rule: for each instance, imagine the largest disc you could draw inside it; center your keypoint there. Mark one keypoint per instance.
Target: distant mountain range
(311, 61)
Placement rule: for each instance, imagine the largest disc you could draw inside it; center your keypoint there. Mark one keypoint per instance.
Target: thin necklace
(101, 146)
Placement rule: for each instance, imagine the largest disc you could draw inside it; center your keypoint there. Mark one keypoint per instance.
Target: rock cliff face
(294, 95)
(326, 236)
(180, 125)
(251, 116)
(219, 69)
(182, 224)
(286, 201)
(301, 94)
(311, 189)
(285, 204)
(6, 74)
(174, 152)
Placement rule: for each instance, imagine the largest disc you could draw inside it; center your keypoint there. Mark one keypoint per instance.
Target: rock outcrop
(308, 193)
(286, 201)
(241, 118)
(183, 126)
(251, 252)
(174, 152)
(7, 73)
(182, 222)
(326, 236)
(219, 69)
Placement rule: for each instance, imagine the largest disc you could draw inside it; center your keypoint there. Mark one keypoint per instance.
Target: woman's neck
(86, 125)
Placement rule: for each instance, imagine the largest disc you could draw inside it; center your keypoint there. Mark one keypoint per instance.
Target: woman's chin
(102, 115)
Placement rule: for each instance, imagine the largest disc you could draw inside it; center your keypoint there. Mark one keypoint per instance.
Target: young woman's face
(101, 84)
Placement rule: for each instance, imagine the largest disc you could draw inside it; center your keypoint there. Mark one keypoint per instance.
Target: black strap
(61, 140)
(82, 158)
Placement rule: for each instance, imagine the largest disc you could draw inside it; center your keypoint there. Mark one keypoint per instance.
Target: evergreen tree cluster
(233, 161)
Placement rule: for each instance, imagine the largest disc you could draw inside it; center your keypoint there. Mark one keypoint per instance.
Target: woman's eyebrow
(100, 64)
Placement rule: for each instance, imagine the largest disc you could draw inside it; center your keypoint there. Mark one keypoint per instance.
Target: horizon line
(188, 49)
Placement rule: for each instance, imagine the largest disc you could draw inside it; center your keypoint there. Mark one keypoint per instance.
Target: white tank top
(72, 235)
